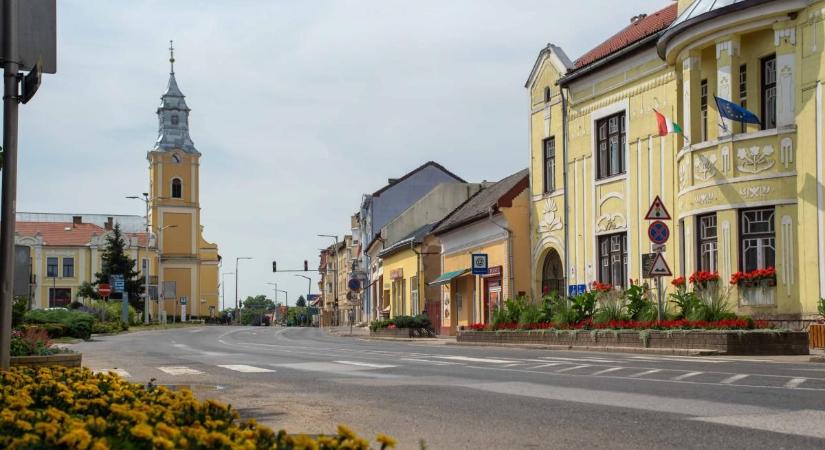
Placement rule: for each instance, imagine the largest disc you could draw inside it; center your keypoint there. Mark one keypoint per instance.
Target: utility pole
(9, 198)
(237, 275)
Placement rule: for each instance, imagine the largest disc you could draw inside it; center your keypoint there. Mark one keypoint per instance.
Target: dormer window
(174, 119)
(177, 188)
(547, 94)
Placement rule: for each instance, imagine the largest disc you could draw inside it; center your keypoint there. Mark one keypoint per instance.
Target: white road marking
(363, 364)
(597, 360)
(733, 379)
(646, 372)
(602, 372)
(469, 359)
(795, 382)
(437, 363)
(686, 375)
(566, 369)
(545, 365)
(180, 370)
(119, 372)
(244, 368)
(513, 364)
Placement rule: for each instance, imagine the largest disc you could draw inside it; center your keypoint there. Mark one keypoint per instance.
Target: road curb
(654, 351)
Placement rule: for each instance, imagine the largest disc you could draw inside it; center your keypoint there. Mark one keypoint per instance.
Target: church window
(174, 119)
(177, 189)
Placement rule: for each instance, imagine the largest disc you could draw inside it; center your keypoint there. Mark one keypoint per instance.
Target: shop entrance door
(492, 297)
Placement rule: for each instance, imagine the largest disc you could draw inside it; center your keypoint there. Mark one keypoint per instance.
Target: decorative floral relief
(754, 159)
(611, 222)
(550, 221)
(684, 167)
(755, 191)
(786, 152)
(704, 199)
(705, 167)
(725, 159)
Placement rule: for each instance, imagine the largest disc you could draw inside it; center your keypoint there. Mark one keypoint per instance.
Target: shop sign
(494, 271)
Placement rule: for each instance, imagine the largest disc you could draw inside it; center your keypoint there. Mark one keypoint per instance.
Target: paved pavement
(306, 380)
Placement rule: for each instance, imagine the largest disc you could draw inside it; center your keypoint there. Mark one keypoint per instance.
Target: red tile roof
(631, 34)
(66, 234)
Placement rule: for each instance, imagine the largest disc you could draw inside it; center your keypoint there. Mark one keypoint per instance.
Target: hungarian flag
(666, 125)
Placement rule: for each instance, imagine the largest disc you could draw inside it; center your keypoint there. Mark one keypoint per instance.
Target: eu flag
(732, 111)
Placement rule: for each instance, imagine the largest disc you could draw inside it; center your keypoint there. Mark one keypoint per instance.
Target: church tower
(188, 264)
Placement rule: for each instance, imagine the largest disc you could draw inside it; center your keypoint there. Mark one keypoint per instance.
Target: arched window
(547, 94)
(177, 188)
(552, 275)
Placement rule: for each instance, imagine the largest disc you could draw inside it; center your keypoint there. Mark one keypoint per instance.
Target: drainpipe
(510, 268)
(564, 180)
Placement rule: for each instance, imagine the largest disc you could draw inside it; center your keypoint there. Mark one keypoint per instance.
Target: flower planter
(60, 359)
(816, 335)
(760, 293)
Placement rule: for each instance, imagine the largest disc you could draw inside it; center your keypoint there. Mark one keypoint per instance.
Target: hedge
(78, 324)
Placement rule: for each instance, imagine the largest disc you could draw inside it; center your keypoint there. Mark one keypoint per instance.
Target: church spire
(173, 115)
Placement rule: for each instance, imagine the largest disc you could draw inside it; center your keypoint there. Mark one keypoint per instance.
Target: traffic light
(306, 266)
(274, 266)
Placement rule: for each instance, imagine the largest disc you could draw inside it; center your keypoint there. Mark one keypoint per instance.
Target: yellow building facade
(742, 197)
(189, 264)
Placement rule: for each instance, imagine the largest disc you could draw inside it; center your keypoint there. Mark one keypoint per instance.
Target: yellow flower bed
(55, 407)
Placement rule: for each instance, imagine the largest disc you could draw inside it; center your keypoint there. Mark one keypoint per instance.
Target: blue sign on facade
(574, 290)
(658, 232)
(118, 285)
(480, 264)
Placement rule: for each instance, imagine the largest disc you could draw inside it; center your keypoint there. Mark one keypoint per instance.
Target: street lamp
(237, 308)
(159, 271)
(275, 289)
(145, 199)
(223, 289)
(335, 288)
(309, 285)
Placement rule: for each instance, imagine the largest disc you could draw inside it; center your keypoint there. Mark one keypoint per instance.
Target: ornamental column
(727, 53)
(690, 96)
(785, 41)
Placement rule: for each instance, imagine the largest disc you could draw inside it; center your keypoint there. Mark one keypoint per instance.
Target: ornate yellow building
(189, 264)
(742, 197)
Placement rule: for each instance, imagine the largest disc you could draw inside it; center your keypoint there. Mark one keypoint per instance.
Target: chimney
(77, 220)
(635, 19)
(109, 223)
(392, 180)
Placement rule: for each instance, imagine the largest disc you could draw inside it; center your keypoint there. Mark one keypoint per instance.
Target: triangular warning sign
(659, 268)
(657, 210)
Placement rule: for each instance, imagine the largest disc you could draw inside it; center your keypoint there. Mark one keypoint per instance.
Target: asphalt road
(452, 397)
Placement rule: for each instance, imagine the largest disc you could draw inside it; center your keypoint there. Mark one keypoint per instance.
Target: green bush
(78, 324)
(109, 327)
(821, 307)
(380, 324)
(638, 301)
(110, 311)
(18, 309)
(584, 305)
(713, 304)
(563, 313)
(422, 321)
(531, 314)
(686, 302)
(611, 308)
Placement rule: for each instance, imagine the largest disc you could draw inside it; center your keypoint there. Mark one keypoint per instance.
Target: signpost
(183, 309)
(119, 287)
(480, 264)
(654, 264)
(104, 290)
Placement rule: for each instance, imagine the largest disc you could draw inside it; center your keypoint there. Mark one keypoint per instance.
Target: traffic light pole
(8, 206)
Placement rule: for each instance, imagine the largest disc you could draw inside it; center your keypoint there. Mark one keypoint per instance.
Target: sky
(298, 108)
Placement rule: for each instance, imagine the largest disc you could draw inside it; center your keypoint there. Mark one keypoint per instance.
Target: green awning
(445, 278)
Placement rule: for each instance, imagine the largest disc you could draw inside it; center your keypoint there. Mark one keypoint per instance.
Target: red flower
(601, 287)
(678, 282)
(754, 275)
(703, 277)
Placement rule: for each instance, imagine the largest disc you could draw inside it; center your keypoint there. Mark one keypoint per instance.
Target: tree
(301, 302)
(115, 261)
(87, 290)
(254, 309)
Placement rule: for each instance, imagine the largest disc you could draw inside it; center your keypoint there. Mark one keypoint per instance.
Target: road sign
(647, 263)
(658, 232)
(657, 210)
(480, 263)
(104, 290)
(118, 285)
(183, 300)
(354, 284)
(657, 248)
(659, 267)
(574, 290)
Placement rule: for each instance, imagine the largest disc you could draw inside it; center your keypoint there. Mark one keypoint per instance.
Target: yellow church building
(742, 197)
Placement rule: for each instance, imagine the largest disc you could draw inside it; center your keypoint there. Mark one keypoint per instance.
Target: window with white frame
(68, 267)
(707, 242)
(613, 259)
(51, 267)
(769, 92)
(703, 109)
(743, 92)
(414, 294)
(549, 165)
(757, 241)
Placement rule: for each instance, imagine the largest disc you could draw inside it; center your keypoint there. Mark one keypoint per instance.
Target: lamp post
(223, 289)
(335, 288)
(159, 271)
(237, 275)
(309, 285)
(145, 199)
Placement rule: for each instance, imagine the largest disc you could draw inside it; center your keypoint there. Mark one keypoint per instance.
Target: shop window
(68, 267)
(769, 92)
(549, 165)
(703, 109)
(610, 144)
(707, 242)
(613, 259)
(177, 188)
(59, 297)
(51, 267)
(757, 239)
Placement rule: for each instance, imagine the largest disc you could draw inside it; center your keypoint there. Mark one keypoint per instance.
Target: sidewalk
(344, 330)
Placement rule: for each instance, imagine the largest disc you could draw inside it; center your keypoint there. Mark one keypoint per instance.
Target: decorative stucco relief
(725, 159)
(550, 220)
(755, 191)
(611, 222)
(755, 159)
(786, 151)
(705, 167)
(706, 198)
(684, 168)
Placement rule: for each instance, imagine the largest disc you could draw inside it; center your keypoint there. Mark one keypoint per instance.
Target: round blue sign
(658, 232)
(354, 284)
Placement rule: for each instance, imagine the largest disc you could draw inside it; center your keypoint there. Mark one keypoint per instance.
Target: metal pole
(9, 198)
(660, 295)
(146, 269)
(237, 317)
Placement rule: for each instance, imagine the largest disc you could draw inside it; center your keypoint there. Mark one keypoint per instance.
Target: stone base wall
(64, 360)
(728, 342)
(392, 332)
